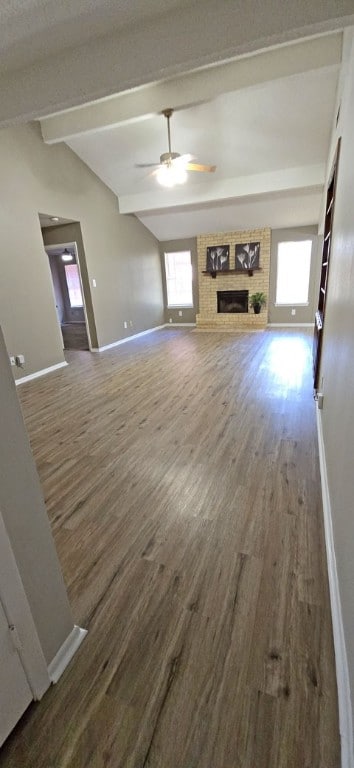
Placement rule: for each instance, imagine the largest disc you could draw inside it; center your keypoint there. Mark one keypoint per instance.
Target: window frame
(280, 304)
(66, 272)
(179, 305)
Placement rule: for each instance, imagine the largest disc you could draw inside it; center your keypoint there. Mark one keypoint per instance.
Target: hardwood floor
(181, 477)
(75, 336)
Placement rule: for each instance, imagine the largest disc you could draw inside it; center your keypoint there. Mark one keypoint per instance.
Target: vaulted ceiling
(264, 121)
(253, 85)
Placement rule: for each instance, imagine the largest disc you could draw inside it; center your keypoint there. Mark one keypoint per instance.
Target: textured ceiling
(33, 29)
(56, 54)
(267, 130)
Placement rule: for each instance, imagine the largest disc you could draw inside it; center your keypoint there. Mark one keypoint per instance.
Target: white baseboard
(42, 372)
(344, 698)
(127, 338)
(180, 325)
(66, 653)
(290, 325)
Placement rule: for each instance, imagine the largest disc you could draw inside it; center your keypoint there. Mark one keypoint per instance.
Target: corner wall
(27, 524)
(121, 254)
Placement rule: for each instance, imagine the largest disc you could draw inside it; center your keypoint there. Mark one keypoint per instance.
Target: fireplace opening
(232, 301)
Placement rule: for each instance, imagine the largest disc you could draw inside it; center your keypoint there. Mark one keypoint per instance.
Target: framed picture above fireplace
(247, 256)
(218, 258)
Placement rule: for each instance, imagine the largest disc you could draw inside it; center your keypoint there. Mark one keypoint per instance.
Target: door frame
(19, 618)
(51, 250)
(330, 202)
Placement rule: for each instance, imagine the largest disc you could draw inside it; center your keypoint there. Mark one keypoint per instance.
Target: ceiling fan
(172, 168)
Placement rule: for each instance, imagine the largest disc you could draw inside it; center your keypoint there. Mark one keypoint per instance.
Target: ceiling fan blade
(200, 167)
(146, 165)
(182, 159)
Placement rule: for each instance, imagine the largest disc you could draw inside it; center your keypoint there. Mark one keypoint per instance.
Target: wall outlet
(94, 284)
(170, 320)
(131, 323)
(180, 313)
(20, 361)
(125, 324)
(12, 360)
(293, 311)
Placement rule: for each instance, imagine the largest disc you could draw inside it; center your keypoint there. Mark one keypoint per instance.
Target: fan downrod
(168, 114)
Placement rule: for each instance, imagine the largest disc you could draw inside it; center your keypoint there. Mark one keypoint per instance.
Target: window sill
(284, 306)
(180, 306)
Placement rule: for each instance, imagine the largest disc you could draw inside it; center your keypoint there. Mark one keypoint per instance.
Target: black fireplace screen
(232, 301)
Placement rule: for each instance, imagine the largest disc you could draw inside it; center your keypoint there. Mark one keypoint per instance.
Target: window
(179, 279)
(73, 283)
(293, 272)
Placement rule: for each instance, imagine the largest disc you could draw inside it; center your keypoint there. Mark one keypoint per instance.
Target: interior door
(15, 692)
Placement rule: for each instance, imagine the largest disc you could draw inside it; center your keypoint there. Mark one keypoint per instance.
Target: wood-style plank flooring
(74, 335)
(181, 478)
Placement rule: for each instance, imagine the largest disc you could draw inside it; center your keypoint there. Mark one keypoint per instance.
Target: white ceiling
(281, 124)
(46, 220)
(253, 85)
(278, 211)
(269, 141)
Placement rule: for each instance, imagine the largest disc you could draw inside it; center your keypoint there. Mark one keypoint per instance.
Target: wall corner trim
(127, 338)
(66, 652)
(344, 698)
(42, 372)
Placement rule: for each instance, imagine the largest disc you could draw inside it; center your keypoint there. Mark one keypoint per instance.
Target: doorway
(69, 296)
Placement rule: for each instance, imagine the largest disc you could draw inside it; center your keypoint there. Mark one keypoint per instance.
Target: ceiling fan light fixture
(173, 166)
(170, 175)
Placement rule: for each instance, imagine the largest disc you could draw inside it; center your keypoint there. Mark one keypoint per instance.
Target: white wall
(337, 369)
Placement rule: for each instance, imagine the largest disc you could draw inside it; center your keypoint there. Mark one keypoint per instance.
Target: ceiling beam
(309, 177)
(189, 36)
(194, 88)
(277, 210)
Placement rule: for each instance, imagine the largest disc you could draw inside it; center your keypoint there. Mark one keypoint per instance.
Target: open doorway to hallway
(68, 293)
(64, 247)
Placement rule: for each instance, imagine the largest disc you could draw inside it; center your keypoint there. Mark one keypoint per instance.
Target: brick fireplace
(232, 301)
(222, 299)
